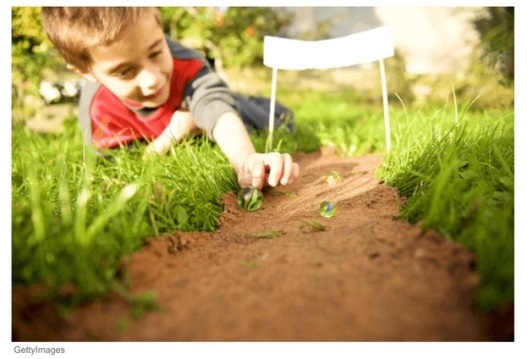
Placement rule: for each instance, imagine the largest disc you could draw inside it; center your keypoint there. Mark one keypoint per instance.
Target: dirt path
(365, 277)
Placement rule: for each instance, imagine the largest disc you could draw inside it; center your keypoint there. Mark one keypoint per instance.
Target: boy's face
(137, 66)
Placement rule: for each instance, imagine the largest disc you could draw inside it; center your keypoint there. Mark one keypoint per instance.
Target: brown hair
(75, 31)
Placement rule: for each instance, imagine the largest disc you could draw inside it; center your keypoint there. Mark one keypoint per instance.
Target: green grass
(76, 215)
(458, 176)
(334, 119)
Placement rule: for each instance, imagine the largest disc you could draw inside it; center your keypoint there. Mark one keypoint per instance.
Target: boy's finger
(275, 162)
(258, 174)
(287, 173)
(296, 172)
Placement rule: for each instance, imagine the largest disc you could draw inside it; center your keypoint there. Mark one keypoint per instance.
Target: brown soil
(366, 277)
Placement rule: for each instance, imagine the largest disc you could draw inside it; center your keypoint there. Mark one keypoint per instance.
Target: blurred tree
(496, 29)
(31, 53)
(31, 50)
(230, 37)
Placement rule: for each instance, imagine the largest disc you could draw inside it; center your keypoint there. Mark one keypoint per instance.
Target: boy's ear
(87, 75)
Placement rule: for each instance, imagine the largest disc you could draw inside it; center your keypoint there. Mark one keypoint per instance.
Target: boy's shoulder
(182, 52)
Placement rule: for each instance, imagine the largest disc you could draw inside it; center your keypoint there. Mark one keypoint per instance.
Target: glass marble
(328, 209)
(250, 199)
(332, 177)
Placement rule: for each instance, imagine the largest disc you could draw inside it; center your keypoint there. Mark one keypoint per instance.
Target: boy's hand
(253, 169)
(267, 169)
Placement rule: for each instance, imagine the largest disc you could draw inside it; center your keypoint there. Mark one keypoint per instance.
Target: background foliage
(31, 51)
(232, 38)
(496, 31)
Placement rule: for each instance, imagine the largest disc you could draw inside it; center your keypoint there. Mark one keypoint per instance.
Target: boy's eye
(125, 72)
(155, 54)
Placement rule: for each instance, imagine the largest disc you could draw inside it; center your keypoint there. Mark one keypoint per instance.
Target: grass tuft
(458, 177)
(75, 214)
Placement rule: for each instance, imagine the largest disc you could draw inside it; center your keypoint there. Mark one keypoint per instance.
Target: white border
(267, 350)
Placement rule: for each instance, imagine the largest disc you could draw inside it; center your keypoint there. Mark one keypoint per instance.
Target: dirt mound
(284, 273)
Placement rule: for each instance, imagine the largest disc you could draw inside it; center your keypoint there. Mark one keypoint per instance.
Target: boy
(141, 85)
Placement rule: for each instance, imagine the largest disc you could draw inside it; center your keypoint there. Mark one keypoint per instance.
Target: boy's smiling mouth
(156, 95)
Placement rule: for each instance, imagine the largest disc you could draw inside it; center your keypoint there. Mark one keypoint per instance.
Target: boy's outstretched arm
(253, 169)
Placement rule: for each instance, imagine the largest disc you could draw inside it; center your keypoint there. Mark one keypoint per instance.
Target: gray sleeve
(208, 97)
(88, 90)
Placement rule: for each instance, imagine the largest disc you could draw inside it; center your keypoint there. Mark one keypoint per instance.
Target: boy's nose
(148, 79)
